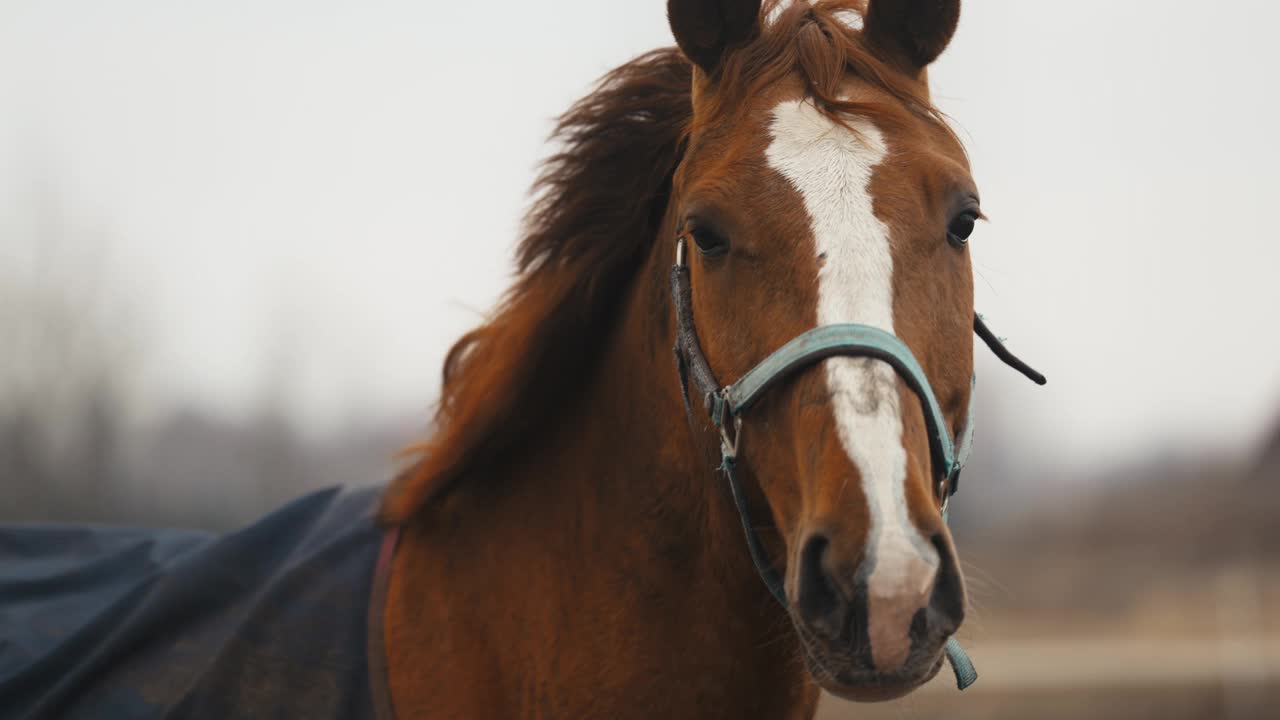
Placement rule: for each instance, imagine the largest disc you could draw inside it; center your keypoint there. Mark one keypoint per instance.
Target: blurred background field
(237, 238)
(1153, 595)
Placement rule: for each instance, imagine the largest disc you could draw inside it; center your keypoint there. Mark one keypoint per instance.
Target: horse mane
(598, 204)
(818, 41)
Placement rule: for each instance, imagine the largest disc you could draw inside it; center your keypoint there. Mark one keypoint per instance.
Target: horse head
(820, 187)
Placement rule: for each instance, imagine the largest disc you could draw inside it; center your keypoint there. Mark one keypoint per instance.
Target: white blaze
(832, 168)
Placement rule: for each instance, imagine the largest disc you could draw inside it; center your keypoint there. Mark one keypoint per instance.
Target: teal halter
(727, 405)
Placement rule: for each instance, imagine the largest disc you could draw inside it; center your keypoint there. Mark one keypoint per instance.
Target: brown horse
(567, 548)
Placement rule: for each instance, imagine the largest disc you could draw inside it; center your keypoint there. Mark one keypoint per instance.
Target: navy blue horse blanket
(279, 619)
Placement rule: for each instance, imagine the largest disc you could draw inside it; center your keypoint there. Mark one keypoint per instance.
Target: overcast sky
(334, 188)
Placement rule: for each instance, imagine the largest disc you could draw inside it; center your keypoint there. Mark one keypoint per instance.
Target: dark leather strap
(764, 568)
(1002, 352)
(693, 364)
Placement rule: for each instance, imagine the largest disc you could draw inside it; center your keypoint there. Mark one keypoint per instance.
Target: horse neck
(618, 545)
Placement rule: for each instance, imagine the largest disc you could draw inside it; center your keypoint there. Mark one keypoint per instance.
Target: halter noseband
(727, 404)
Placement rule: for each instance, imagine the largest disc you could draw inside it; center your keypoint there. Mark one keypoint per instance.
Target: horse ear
(912, 33)
(705, 29)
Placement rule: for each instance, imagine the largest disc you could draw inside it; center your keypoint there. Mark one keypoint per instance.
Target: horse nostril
(946, 603)
(818, 600)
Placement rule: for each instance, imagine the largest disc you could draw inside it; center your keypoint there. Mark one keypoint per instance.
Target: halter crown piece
(727, 404)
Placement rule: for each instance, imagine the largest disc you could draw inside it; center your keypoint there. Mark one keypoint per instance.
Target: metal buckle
(945, 488)
(680, 251)
(728, 447)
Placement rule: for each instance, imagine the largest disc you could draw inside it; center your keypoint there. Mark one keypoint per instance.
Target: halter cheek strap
(726, 406)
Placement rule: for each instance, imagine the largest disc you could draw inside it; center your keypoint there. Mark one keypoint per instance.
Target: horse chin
(862, 685)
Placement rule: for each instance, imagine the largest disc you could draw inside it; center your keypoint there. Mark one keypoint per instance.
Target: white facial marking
(832, 168)
(852, 18)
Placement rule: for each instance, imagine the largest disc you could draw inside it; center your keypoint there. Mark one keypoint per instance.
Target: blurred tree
(67, 366)
(73, 444)
(1268, 467)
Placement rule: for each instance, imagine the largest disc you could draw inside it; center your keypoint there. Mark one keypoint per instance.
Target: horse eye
(961, 228)
(709, 242)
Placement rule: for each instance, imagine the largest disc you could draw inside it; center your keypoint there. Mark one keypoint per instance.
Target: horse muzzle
(875, 628)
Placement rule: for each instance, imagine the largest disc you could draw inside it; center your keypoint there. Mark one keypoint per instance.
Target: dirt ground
(1234, 677)
(1190, 702)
